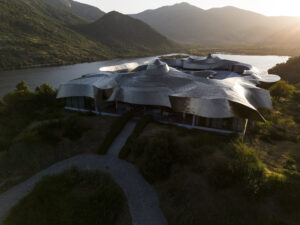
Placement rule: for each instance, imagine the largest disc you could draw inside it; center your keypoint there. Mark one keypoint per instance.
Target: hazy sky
(266, 7)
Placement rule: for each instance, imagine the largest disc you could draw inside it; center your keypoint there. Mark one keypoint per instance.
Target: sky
(265, 7)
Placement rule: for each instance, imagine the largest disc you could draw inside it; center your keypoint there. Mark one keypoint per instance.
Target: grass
(71, 198)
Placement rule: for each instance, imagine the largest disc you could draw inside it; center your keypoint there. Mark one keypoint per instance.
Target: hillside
(289, 71)
(126, 35)
(79, 9)
(38, 34)
(288, 37)
(218, 26)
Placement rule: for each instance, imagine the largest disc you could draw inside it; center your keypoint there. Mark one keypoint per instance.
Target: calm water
(57, 75)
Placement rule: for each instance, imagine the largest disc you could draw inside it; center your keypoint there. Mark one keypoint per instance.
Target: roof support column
(245, 126)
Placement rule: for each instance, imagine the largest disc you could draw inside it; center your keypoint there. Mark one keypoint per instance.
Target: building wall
(159, 113)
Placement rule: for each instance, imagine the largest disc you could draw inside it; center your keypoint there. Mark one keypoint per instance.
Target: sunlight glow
(266, 7)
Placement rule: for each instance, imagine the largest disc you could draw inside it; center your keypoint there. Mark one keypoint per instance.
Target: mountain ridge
(77, 8)
(126, 34)
(227, 25)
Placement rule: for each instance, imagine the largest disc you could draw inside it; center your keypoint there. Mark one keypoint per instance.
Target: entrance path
(121, 139)
(142, 199)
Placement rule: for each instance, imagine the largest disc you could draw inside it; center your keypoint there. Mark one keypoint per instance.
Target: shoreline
(188, 52)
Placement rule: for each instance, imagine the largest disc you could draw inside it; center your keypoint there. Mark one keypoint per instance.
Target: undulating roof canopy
(207, 87)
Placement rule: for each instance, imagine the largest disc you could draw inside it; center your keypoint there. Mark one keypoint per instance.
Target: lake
(57, 75)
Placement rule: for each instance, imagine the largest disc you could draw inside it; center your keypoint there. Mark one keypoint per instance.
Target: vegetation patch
(206, 178)
(289, 71)
(36, 131)
(72, 197)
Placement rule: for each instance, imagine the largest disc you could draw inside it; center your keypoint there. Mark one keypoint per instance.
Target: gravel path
(120, 141)
(142, 199)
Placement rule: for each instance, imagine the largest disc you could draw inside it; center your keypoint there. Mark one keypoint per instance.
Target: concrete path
(142, 199)
(120, 141)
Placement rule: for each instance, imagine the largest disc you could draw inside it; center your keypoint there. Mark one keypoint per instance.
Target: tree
(22, 86)
(282, 89)
(45, 94)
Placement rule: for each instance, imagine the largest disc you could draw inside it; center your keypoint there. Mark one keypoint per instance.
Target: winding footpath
(142, 199)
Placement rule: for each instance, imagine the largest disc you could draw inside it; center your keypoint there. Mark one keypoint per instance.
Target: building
(196, 92)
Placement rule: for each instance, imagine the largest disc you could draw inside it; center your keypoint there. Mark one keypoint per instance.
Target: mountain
(126, 35)
(35, 33)
(79, 9)
(218, 26)
(287, 37)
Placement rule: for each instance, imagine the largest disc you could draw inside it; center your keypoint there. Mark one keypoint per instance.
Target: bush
(73, 128)
(282, 90)
(46, 95)
(243, 169)
(22, 86)
(290, 164)
(296, 96)
(114, 132)
(276, 128)
(141, 124)
(70, 198)
(159, 155)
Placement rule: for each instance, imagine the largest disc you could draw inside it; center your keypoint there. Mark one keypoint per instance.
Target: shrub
(45, 95)
(159, 155)
(22, 86)
(73, 128)
(70, 198)
(276, 128)
(290, 164)
(296, 96)
(243, 169)
(282, 90)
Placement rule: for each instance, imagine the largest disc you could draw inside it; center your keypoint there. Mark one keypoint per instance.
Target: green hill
(126, 35)
(35, 33)
(79, 9)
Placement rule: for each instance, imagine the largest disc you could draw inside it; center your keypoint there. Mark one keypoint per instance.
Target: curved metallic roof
(207, 87)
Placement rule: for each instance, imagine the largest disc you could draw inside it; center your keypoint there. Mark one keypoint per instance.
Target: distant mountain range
(35, 33)
(79, 9)
(216, 27)
(43, 32)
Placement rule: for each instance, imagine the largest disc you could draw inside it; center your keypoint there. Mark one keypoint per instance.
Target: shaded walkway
(120, 141)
